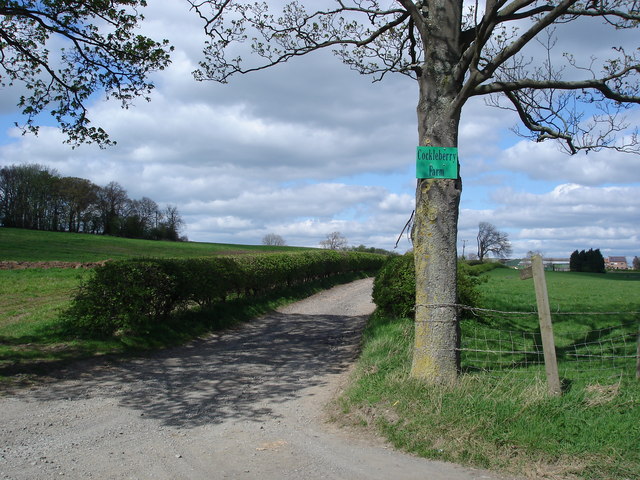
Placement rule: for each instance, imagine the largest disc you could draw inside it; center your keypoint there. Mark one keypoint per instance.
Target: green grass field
(34, 246)
(503, 418)
(30, 303)
(595, 322)
(568, 291)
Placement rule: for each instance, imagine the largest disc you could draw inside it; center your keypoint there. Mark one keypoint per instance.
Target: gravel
(246, 403)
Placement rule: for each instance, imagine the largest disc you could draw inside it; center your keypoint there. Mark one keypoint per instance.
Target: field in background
(595, 318)
(568, 291)
(500, 416)
(37, 246)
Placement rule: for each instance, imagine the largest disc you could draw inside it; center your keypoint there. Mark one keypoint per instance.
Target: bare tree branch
(102, 51)
(599, 84)
(377, 41)
(296, 33)
(544, 132)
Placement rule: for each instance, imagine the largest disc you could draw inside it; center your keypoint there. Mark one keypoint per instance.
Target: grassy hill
(37, 246)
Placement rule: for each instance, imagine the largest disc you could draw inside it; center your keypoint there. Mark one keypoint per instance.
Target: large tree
(112, 206)
(492, 240)
(273, 239)
(455, 50)
(62, 52)
(29, 197)
(334, 241)
(80, 196)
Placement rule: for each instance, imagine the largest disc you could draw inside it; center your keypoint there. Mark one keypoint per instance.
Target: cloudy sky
(310, 147)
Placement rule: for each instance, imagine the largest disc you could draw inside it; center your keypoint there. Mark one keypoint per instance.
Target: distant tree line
(333, 241)
(587, 261)
(380, 251)
(38, 198)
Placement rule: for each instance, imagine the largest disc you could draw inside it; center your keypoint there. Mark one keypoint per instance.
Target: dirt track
(243, 404)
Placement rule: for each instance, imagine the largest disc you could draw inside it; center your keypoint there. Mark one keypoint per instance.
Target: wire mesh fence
(590, 343)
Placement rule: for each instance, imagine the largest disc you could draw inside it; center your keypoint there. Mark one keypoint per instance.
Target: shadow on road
(242, 373)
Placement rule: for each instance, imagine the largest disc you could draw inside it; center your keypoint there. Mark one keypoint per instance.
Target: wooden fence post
(546, 328)
(638, 357)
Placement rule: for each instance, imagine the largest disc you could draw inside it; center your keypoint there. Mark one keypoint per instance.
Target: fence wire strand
(485, 347)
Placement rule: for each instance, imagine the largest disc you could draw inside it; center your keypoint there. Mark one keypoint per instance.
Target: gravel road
(246, 403)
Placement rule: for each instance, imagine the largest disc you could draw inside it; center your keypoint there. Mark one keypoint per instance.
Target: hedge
(394, 289)
(134, 295)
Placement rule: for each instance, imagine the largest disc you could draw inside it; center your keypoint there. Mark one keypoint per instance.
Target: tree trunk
(436, 354)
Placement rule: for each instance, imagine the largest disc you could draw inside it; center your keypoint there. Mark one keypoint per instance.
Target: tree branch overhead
(102, 52)
(378, 39)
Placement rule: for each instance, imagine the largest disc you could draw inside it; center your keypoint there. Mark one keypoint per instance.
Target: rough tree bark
(434, 234)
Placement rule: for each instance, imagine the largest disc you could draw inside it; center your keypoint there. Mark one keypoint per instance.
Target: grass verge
(505, 422)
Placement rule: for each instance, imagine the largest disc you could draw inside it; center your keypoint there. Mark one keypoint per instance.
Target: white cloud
(319, 200)
(397, 203)
(569, 204)
(567, 218)
(545, 161)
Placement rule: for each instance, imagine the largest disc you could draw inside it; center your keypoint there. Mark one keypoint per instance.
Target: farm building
(553, 264)
(616, 263)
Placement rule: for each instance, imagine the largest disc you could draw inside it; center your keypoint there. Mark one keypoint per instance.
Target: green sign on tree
(437, 162)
